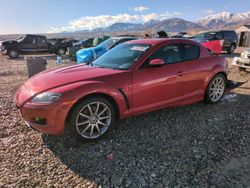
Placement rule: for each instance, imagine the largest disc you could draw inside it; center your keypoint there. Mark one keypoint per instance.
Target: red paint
(146, 89)
(215, 46)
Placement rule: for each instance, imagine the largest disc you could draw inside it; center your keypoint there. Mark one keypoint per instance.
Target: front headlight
(46, 98)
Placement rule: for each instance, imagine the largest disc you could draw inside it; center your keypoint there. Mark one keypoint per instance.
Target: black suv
(25, 44)
(229, 37)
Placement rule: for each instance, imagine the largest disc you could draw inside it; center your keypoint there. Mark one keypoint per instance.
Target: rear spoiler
(214, 46)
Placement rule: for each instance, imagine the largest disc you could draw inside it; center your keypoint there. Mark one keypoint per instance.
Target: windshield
(208, 35)
(107, 44)
(122, 57)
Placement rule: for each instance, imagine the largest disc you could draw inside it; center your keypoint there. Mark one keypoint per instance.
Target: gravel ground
(199, 145)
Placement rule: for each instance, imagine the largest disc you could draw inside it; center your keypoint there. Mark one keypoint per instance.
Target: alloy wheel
(93, 120)
(217, 89)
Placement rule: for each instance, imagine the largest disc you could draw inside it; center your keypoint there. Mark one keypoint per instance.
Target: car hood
(8, 42)
(54, 78)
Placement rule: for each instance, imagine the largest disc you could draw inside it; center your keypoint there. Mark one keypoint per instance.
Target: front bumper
(3, 50)
(48, 119)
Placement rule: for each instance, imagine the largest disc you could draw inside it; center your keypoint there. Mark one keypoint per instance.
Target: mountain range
(215, 21)
(224, 20)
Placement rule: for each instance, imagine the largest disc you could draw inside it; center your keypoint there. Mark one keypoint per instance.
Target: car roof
(124, 38)
(34, 35)
(161, 40)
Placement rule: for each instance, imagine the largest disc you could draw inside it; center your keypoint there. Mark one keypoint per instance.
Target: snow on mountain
(224, 19)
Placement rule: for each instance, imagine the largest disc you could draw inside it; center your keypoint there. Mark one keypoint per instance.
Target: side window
(227, 35)
(170, 54)
(233, 35)
(29, 39)
(190, 52)
(40, 40)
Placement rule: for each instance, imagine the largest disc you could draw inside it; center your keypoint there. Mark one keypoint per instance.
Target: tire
(61, 51)
(13, 53)
(231, 49)
(84, 126)
(215, 89)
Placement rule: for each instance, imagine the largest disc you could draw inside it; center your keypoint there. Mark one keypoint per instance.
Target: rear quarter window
(190, 52)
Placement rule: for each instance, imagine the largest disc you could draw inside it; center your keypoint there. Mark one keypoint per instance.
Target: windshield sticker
(140, 48)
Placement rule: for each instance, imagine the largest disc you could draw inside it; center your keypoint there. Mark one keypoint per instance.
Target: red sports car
(133, 78)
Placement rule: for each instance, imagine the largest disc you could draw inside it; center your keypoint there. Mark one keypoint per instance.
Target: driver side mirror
(156, 63)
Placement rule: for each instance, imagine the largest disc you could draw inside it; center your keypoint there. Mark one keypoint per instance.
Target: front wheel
(13, 53)
(92, 119)
(215, 89)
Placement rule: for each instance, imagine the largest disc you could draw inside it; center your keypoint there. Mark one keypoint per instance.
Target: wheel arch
(97, 94)
(216, 71)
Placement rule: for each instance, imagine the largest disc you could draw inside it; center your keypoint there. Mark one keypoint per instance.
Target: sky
(44, 16)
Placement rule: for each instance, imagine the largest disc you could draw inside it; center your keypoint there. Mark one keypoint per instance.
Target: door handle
(180, 73)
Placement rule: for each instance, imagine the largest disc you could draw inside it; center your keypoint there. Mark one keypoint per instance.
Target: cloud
(139, 9)
(210, 11)
(92, 22)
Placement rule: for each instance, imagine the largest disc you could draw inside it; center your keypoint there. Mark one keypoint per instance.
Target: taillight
(221, 42)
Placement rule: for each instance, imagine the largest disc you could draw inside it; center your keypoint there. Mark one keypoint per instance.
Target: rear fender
(215, 70)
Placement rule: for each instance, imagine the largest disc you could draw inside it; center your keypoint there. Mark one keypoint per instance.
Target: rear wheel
(215, 89)
(13, 53)
(231, 49)
(92, 119)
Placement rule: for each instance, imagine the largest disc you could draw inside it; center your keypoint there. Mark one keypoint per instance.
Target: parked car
(62, 45)
(228, 37)
(243, 62)
(25, 44)
(90, 54)
(133, 78)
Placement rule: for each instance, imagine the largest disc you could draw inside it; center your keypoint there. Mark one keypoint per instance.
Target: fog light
(39, 120)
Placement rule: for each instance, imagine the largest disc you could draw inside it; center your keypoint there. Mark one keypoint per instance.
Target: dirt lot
(199, 145)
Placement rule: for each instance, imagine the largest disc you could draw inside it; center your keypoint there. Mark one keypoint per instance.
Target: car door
(156, 86)
(28, 44)
(41, 43)
(196, 71)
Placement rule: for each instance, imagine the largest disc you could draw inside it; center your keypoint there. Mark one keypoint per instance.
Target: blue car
(90, 54)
